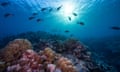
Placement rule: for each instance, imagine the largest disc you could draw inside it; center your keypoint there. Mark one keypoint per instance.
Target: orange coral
(65, 65)
(50, 54)
(15, 48)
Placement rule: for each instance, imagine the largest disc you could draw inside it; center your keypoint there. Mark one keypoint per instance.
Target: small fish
(43, 9)
(75, 14)
(59, 8)
(7, 15)
(115, 28)
(50, 9)
(5, 4)
(39, 20)
(81, 23)
(69, 18)
(31, 18)
(35, 14)
(67, 31)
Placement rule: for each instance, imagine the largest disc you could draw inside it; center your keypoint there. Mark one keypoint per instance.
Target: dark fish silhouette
(67, 31)
(39, 20)
(81, 23)
(31, 18)
(115, 28)
(59, 8)
(35, 14)
(8, 15)
(50, 9)
(43, 9)
(75, 14)
(69, 18)
(5, 3)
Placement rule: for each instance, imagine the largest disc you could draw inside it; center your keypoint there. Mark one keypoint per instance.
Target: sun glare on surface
(68, 8)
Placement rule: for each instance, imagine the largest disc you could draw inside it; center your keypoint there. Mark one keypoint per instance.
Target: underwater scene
(59, 35)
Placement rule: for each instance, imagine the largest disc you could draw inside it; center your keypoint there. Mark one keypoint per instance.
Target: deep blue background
(98, 18)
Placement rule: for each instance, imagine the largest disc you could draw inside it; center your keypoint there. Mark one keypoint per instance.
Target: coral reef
(2, 66)
(33, 37)
(13, 51)
(33, 62)
(106, 52)
(65, 65)
(49, 53)
(29, 62)
(15, 48)
(70, 44)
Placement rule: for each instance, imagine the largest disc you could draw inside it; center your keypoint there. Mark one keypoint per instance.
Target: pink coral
(51, 67)
(29, 62)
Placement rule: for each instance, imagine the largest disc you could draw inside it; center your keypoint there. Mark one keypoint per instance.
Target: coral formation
(65, 65)
(13, 51)
(72, 54)
(15, 48)
(70, 44)
(29, 62)
(2, 66)
(49, 54)
(33, 62)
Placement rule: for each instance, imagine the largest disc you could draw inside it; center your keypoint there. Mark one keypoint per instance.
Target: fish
(43, 9)
(115, 28)
(81, 23)
(5, 4)
(69, 18)
(67, 31)
(35, 14)
(31, 18)
(59, 8)
(39, 20)
(7, 15)
(50, 9)
(75, 14)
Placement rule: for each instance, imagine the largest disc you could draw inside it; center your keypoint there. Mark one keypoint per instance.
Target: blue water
(98, 16)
